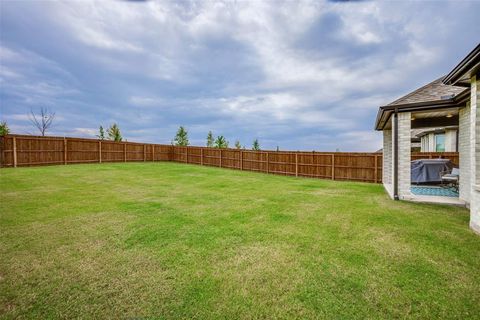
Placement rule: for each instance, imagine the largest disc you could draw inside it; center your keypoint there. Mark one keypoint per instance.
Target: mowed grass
(166, 240)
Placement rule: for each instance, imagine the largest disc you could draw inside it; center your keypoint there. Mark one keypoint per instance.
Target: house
(452, 101)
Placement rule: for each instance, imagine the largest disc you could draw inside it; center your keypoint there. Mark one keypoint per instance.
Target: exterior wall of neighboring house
(388, 161)
(404, 154)
(464, 152)
(428, 141)
(450, 140)
(425, 143)
(475, 154)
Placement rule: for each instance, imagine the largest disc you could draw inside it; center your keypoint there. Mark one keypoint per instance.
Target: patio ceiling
(432, 118)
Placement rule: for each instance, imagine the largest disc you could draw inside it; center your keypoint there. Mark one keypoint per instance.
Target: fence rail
(21, 150)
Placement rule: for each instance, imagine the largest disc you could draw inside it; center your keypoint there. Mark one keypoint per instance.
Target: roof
(434, 95)
(433, 91)
(460, 75)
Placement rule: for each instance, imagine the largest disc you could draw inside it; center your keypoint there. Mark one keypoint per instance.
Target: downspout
(395, 158)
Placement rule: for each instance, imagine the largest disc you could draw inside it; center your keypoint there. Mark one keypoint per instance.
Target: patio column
(464, 151)
(404, 154)
(387, 171)
(475, 154)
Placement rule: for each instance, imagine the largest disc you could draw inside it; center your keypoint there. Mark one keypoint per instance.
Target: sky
(301, 75)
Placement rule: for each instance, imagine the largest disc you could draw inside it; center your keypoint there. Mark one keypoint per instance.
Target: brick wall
(464, 152)
(387, 161)
(404, 153)
(475, 155)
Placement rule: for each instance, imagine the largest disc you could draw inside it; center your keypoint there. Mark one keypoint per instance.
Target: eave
(460, 75)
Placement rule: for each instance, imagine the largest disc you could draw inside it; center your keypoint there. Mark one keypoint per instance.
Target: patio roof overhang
(460, 75)
(385, 112)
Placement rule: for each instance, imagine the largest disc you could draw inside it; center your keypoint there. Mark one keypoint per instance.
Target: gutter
(395, 159)
(463, 67)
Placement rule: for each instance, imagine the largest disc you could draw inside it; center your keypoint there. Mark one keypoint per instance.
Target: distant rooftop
(433, 91)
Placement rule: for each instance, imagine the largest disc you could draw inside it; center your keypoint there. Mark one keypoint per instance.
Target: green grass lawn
(166, 240)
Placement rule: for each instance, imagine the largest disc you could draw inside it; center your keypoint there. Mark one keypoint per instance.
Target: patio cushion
(451, 177)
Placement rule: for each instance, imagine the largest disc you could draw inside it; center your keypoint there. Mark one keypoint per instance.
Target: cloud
(19, 117)
(306, 74)
(89, 132)
(145, 101)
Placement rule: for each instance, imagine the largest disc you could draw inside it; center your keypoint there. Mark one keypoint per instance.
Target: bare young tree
(42, 121)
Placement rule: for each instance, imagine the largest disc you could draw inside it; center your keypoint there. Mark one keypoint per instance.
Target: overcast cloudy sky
(301, 75)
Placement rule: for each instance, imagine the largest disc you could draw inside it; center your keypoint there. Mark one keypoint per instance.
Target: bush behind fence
(22, 150)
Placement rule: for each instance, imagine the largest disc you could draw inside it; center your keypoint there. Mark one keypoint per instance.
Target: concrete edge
(475, 228)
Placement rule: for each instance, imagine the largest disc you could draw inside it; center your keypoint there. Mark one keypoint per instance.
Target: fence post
(124, 152)
(65, 151)
(100, 151)
(220, 158)
(153, 152)
(268, 163)
(376, 168)
(296, 164)
(333, 166)
(241, 160)
(29, 153)
(201, 156)
(186, 154)
(14, 152)
(144, 152)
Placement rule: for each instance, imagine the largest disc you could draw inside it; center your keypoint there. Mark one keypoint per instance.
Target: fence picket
(65, 151)
(14, 152)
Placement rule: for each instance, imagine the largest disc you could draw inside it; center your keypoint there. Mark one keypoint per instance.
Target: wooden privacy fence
(20, 150)
(326, 165)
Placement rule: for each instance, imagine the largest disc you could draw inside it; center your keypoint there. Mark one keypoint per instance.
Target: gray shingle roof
(433, 91)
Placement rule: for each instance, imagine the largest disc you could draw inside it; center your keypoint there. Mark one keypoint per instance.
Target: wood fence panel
(358, 167)
(34, 150)
(180, 154)
(281, 163)
(231, 158)
(113, 151)
(194, 155)
(254, 160)
(211, 157)
(82, 151)
(163, 153)
(134, 151)
(315, 165)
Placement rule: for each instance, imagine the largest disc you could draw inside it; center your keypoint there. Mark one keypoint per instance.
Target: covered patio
(449, 102)
(434, 105)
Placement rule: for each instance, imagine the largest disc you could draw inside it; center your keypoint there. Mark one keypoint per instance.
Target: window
(440, 142)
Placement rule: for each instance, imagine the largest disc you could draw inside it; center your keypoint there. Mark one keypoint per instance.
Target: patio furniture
(452, 178)
(429, 170)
